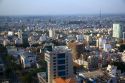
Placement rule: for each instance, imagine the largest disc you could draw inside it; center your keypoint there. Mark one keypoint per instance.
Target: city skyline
(62, 41)
(61, 7)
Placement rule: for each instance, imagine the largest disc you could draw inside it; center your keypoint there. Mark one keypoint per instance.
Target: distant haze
(61, 7)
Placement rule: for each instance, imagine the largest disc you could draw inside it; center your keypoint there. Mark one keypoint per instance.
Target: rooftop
(61, 80)
(28, 54)
(92, 74)
(60, 49)
(43, 74)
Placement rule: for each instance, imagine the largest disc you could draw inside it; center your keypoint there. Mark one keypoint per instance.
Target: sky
(61, 7)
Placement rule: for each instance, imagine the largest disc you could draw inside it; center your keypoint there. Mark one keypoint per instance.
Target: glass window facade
(61, 73)
(54, 60)
(61, 67)
(61, 61)
(54, 57)
(61, 55)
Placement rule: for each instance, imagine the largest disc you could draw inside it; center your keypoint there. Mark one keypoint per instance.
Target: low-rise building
(28, 59)
(11, 50)
(113, 71)
(42, 77)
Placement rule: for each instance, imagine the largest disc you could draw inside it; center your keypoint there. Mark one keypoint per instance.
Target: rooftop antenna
(100, 18)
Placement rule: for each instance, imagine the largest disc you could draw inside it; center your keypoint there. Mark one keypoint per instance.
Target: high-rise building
(52, 33)
(20, 38)
(25, 38)
(20, 33)
(117, 30)
(100, 42)
(59, 63)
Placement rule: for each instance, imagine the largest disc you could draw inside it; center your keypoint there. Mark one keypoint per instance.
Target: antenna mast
(100, 18)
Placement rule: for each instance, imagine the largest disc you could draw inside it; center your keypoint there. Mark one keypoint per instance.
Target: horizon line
(66, 14)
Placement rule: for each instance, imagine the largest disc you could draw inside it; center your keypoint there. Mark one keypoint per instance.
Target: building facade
(117, 30)
(52, 33)
(59, 63)
(28, 59)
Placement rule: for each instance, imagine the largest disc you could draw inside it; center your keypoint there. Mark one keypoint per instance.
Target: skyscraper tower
(117, 30)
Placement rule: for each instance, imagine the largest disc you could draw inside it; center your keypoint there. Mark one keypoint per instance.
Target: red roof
(61, 80)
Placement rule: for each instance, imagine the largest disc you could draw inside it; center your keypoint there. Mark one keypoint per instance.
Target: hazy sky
(60, 7)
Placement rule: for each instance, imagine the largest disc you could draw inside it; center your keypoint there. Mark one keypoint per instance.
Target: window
(54, 75)
(54, 69)
(67, 64)
(31, 60)
(61, 62)
(67, 70)
(67, 73)
(54, 57)
(61, 67)
(54, 72)
(61, 73)
(54, 63)
(61, 55)
(54, 60)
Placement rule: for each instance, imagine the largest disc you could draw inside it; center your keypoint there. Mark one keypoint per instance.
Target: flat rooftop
(93, 74)
(60, 49)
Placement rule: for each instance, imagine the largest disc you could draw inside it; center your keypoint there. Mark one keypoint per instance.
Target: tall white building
(20, 36)
(59, 63)
(117, 30)
(100, 42)
(52, 33)
(20, 33)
